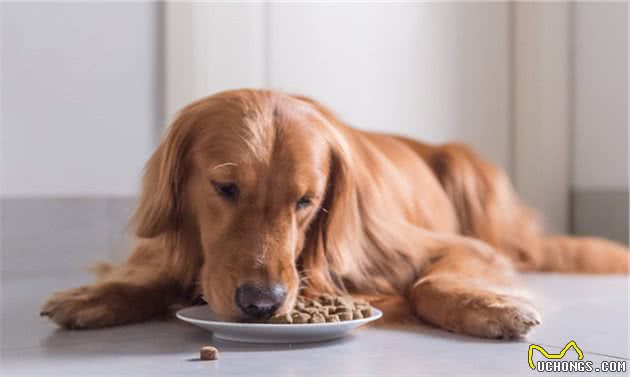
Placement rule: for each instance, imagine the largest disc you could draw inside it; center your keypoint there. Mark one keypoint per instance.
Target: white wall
(541, 45)
(600, 96)
(80, 96)
(212, 47)
(433, 71)
(494, 75)
(600, 195)
(437, 72)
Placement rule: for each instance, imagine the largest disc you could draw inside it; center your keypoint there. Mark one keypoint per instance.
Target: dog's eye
(304, 202)
(226, 190)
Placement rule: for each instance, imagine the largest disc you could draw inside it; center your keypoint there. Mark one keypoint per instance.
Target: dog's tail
(583, 255)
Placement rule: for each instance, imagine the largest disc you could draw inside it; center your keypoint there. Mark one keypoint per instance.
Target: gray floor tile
(593, 311)
(46, 243)
(370, 352)
(31, 346)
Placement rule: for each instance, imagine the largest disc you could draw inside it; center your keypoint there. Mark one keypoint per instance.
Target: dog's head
(242, 184)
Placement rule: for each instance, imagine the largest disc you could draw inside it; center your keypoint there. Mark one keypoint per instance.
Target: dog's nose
(259, 302)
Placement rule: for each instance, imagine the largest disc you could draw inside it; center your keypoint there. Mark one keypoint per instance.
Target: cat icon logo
(552, 356)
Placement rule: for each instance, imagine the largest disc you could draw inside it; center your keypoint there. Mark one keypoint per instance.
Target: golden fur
(432, 229)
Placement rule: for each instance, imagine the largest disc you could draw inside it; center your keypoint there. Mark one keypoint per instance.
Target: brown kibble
(361, 307)
(311, 310)
(367, 312)
(343, 301)
(208, 353)
(345, 316)
(299, 318)
(332, 318)
(317, 318)
(342, 309)
(281, 318)
(327, 299)
(325, 308)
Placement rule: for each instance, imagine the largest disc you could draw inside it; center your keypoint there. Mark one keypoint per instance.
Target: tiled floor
(593, 311)
(44, 242)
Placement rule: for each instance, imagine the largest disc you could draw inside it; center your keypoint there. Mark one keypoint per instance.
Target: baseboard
(602, 213)
(53, 235)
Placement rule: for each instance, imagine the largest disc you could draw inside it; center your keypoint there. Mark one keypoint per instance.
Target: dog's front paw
(79, 308)
(498, 316)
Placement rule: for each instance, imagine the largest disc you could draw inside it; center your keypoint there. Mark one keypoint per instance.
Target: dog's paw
(498, 316)
(79, 308)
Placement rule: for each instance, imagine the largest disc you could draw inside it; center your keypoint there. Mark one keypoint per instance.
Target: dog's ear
(159, 208)
(330, 243)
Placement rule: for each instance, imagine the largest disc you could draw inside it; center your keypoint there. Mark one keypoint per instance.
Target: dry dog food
(325, 308)
(208, 353)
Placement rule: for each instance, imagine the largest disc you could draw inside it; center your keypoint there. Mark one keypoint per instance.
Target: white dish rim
(376, 314)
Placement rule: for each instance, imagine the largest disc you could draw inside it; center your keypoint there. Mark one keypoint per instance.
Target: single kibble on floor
(208, 353)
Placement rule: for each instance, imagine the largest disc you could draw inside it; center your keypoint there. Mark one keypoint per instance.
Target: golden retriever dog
(255, 196)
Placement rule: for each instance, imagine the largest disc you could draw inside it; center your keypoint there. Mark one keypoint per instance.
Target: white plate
(271, 333)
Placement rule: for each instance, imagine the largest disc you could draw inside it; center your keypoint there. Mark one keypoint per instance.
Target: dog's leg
(464, 291)
(136, 291)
